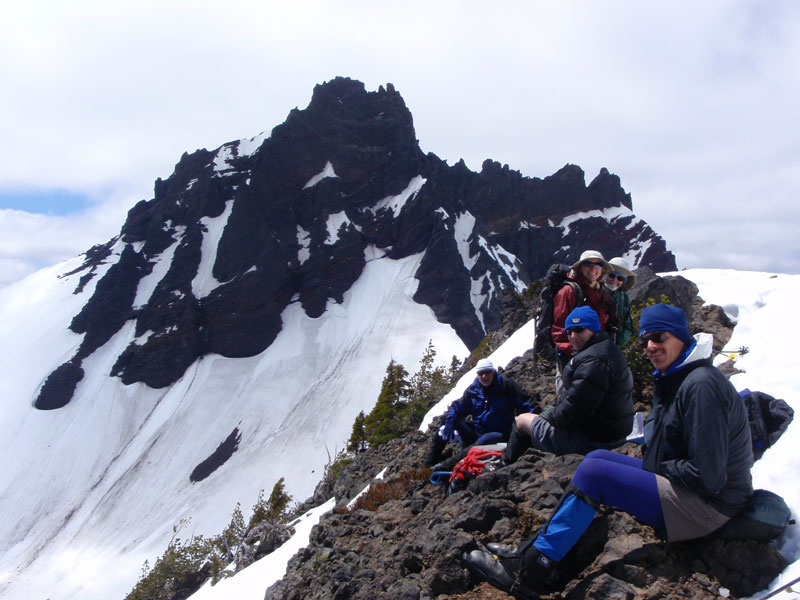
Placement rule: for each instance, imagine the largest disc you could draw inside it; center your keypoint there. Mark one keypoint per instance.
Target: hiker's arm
(563, 303)
(523, 403)
(457, 411)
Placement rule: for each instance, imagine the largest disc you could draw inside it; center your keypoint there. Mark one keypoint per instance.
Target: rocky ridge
(407, 543)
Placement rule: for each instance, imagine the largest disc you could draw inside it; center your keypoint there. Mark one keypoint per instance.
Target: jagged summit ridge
(236, 235)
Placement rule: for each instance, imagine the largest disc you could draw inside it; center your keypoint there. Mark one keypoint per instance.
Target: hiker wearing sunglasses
(618, 282)
(587, 273)
(594, 407)
(693, 477)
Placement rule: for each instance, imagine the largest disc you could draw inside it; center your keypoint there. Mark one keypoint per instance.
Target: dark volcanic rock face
(236, 234)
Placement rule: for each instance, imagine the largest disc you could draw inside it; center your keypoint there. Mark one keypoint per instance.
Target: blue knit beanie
(663, 317)
(582, 316)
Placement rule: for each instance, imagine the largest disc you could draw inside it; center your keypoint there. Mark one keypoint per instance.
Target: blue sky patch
(49, 202)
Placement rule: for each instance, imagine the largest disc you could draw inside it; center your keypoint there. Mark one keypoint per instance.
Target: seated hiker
(594, 407)
(587, 273)
(618, 282)
(483, 414)
(694, 475)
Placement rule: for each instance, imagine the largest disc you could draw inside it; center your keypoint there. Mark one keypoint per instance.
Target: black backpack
(768, 417)
(554, 280)
(766, 515)
(764, 519)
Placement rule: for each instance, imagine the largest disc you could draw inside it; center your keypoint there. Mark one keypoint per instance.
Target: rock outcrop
(406, 539)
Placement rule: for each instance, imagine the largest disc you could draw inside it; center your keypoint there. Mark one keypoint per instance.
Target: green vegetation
(187, 563)
(484, 348)
(640, 366)
(402, 403)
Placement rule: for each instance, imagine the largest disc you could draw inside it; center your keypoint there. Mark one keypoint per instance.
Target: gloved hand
(446, 432)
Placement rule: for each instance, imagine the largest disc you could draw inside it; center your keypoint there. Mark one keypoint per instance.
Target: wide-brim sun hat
(620, 265)
(592, 255)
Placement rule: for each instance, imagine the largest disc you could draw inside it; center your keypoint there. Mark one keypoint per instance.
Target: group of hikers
(694, 474)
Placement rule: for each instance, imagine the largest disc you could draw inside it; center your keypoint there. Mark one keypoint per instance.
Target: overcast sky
(693, 104)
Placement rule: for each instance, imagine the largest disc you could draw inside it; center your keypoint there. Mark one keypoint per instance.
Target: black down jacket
(596, 397)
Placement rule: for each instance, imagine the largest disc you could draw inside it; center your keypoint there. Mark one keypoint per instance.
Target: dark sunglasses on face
(483, 373)
(576, 330)
(594, 264)
(618, 277)
(657, 338)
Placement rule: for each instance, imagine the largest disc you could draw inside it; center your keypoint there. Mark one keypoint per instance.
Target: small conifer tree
(358, 437)
(381, 424)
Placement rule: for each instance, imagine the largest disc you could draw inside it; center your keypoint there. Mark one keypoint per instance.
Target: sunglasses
(657, 338)
(618, 276)
(575, 330)
(594, 264)
(483, 373)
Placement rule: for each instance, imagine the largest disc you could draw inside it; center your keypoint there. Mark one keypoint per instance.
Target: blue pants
(470, 437)
(619, 481)
(608, 478)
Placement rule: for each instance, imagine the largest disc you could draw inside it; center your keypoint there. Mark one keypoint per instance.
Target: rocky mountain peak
(236, 234)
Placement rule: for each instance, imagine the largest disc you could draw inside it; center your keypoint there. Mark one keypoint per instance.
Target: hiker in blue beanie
(693, 477)
(594, 407)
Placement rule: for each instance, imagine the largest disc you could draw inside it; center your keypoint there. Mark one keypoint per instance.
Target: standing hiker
(695, 474)
(483, 415)
(587, 272)
(594, 407)
(618, 282)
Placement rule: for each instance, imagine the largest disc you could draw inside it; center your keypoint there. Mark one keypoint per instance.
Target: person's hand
(446, 432)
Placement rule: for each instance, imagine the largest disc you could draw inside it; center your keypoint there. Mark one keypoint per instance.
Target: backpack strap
(576, 289)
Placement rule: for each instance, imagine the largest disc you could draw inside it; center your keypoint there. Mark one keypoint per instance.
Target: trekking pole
(780, 589)
(535, 358)
(741, 351)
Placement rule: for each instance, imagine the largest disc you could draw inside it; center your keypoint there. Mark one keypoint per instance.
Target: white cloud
(681, 100)
(29, 242)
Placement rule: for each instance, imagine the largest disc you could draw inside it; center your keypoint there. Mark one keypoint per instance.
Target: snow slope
(89, 491)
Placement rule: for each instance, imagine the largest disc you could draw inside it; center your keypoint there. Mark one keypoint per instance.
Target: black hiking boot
(500, 572)
(518, 443)
(448, 463)
(537, 571)
(435, 449)
(521, 576)
(503, 550)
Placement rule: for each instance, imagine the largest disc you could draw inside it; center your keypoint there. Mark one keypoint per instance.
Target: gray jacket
(697, 434)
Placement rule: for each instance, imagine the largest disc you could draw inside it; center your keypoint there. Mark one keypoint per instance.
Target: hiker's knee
(525, 421)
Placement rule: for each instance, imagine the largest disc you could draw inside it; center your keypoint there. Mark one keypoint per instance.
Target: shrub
(381, 492)
(640, 366)
(186, 564)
